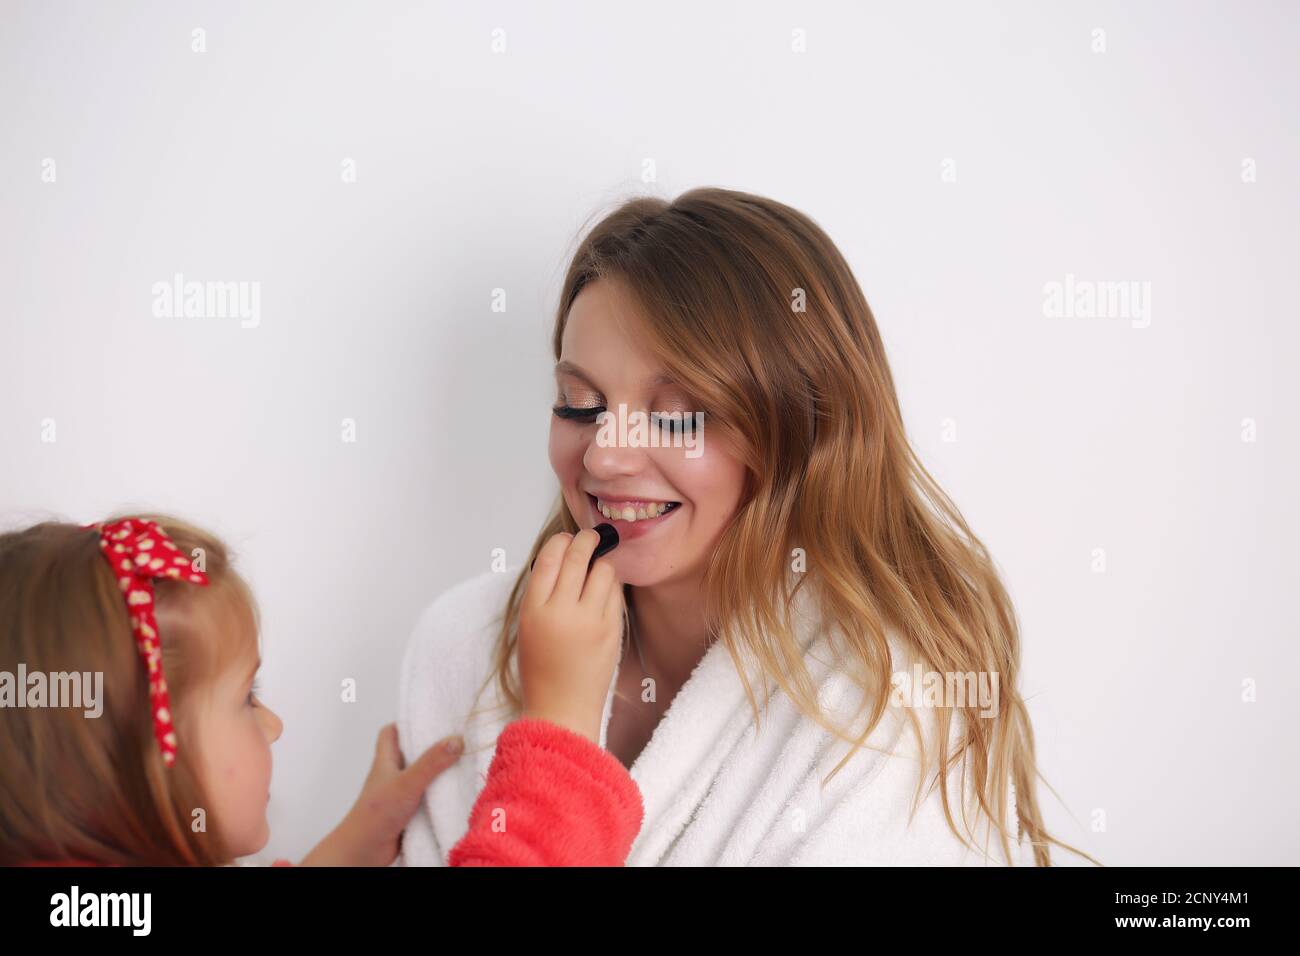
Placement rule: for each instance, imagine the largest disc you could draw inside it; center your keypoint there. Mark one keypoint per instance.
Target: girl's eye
(252, 695)
(572, 413)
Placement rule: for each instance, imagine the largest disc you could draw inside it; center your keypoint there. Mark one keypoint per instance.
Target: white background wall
(475, 170)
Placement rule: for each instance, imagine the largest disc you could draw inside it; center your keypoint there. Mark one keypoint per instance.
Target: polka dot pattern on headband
(139, 551)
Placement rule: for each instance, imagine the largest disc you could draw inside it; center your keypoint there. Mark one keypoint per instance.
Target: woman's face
(690, 476)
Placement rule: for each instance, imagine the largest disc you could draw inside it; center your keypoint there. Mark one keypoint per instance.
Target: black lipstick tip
(608, 542)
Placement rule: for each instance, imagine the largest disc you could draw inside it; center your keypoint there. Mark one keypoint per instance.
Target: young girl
(165, 755)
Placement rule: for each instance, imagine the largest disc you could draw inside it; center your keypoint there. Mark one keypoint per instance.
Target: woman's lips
(630, 529)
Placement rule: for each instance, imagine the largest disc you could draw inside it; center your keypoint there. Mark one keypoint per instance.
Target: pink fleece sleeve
(552, 798)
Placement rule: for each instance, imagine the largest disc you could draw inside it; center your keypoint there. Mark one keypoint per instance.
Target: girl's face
(234, 733)
(697, 488)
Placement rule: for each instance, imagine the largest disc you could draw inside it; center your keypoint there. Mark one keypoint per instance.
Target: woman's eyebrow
(565, 367)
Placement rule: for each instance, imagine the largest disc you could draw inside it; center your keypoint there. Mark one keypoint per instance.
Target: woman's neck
(670, 629)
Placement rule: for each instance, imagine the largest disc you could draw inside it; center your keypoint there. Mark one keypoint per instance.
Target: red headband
(138, 551)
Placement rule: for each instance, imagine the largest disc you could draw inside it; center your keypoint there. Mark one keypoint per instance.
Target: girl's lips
(629, 529)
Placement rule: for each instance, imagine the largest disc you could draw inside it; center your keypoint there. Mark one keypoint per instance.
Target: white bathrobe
(718, 791)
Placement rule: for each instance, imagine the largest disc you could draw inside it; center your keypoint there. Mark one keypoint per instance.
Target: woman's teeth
(628, 511)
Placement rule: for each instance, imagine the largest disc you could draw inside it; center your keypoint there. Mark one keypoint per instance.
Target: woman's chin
(642, 573)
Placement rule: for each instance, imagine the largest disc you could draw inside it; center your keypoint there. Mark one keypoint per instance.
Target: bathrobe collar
(705, 721)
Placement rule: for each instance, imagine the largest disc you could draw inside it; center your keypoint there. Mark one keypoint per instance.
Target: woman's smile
(633, 517)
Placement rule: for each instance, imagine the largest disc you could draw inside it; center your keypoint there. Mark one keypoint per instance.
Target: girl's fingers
(388, 755)
(419, 776)
(599, 581)
(614, 602)
(541, 582)
(573, 570)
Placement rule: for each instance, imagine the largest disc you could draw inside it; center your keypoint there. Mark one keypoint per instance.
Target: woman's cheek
(565, 451)
(560, 450)
(713, 483)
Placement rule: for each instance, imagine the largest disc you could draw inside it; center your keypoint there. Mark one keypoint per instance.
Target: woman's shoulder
(458, 622)
(450, 646)
(874, 796)
(466, 608)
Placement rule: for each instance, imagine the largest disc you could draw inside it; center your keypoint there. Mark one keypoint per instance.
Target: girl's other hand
(371, 833)
(570, 625)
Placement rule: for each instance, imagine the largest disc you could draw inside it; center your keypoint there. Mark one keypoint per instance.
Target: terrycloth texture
(552, 798)
(718, 790)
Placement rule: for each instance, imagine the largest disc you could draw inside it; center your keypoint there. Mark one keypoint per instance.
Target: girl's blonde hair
(754, 312)
(96, 790)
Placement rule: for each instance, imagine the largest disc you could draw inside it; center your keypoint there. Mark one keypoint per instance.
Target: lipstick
(608, 542)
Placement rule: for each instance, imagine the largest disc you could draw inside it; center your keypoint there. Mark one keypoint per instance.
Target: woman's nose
(613, 461)
(614, 450)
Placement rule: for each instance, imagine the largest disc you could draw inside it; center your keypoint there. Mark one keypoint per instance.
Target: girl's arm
(552, 798)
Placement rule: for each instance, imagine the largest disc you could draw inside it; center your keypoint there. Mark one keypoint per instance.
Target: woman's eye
(674, 423)
(252, 696)
(574, 413)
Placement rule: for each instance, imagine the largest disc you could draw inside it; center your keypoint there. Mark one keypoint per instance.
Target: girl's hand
(371, 833)
(570, 623)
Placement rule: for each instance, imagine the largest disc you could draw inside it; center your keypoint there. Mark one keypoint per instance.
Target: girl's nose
(274, 725)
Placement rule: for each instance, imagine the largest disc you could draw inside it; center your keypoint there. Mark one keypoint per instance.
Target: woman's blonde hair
(754, 312)
(96, 790)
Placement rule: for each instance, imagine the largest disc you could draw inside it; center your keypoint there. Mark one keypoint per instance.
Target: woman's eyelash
(680, 423)
(571, 413)
(676, 423)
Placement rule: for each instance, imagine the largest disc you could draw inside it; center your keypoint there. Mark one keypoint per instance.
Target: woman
(789, 567)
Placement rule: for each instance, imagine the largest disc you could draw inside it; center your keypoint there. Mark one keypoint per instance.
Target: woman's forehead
(606, 341)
